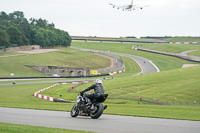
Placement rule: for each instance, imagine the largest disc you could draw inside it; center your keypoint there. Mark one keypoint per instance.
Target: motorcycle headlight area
(78, 99)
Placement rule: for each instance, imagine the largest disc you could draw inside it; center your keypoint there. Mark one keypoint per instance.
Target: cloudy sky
(98, 18)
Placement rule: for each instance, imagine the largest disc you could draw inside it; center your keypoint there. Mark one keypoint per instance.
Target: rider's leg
(89, 98)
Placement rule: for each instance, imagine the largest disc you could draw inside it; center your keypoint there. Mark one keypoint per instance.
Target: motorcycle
(82, 109)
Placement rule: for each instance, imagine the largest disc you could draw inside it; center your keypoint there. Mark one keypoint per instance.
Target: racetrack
(106, 123)
(146, 65)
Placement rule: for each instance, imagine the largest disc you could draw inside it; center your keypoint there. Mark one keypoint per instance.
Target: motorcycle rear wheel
(74, 112)
(98, 112)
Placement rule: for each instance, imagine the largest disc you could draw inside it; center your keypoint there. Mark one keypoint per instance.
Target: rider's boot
(105, 107)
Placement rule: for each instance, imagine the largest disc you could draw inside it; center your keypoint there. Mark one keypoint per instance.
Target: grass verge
(17, 128)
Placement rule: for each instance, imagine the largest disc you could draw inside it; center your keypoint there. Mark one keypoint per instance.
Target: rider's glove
(81, 93)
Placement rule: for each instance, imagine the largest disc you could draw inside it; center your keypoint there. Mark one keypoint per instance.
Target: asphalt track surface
(146, 65)
(105, 124)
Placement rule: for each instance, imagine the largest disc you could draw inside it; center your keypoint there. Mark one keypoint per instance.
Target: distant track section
(146, 65)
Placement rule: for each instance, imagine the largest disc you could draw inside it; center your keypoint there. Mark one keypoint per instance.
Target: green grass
(8, 66)
(171, 48)
(132, 108)
(175, 86)
(61, 90)
(67, 58)
(63, 59)
(195, 53)
(169, 112)
(9, 53)
(21, 96)
(131, 66)
(17, 128)
(163, 62)
(179, 85)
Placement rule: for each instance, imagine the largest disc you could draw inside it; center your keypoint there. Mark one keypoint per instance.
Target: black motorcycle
(94, 111)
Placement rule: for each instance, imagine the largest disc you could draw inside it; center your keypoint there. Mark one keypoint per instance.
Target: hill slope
(179, 85)
(66, 58)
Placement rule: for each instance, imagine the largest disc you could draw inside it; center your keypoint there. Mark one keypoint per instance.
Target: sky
(98, 18)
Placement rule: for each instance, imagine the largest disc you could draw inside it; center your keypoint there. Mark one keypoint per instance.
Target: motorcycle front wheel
(98, 111)
(74, 112)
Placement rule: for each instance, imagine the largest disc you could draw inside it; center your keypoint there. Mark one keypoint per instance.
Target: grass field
(195, 53)
(9, 53)
(17, 128)
(66, 58)
(21, 96)
(171, 48)
(166, 87)
(170, 86)
(162, 62)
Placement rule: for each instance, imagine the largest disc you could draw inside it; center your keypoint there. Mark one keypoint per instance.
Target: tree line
(16, 30)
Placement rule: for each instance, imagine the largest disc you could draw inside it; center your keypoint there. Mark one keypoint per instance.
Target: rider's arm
(89, 88)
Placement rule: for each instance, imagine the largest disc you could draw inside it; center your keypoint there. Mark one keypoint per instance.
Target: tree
(41, 23)
(26, 31)
(3, 16)
(16, 30)
(4, 39)
(16, 17)
(15, 35)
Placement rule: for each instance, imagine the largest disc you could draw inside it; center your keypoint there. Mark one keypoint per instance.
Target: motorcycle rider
(98, 90)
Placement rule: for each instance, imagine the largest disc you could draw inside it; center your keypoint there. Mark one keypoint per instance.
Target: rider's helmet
(98, 81)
